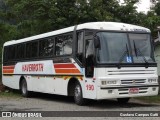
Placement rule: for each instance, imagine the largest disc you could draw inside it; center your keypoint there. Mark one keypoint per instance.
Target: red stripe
(64, 66)
(67, 71)
(8, 67)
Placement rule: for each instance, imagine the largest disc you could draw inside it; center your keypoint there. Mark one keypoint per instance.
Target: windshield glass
(141, 47)
(114, 48)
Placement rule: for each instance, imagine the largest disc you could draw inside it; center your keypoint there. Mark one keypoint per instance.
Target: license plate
(133, 90)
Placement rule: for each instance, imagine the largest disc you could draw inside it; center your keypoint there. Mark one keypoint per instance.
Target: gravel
(45, 102)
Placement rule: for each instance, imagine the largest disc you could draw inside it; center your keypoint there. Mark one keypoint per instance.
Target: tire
(78, 95)
(24, 89)
(123, 100)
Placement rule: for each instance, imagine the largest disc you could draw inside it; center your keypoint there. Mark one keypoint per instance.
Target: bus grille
(130, 72)
(133, 81)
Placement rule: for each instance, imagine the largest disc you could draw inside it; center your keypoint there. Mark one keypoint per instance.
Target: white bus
(96, 60)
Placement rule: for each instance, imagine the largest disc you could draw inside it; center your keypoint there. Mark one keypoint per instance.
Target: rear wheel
(24, 89)
(123, 100)
(78, 95)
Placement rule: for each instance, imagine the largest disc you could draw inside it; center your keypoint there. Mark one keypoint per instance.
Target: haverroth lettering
(32, 67)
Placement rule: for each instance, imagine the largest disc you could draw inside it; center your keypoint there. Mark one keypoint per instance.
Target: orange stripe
(67, 71)
(64, 66)
(8, 71)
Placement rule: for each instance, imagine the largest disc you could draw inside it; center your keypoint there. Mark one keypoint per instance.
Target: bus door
(89, 66)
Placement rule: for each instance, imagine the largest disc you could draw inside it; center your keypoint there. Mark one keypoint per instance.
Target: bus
(89, 61)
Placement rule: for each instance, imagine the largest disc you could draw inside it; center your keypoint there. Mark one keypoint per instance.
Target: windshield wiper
(137, 50)
(122, 56)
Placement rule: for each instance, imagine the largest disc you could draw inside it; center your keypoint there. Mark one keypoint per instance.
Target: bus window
(46, 47)
(32, 49)
(89, 58)
(11, 52)
(5, 54)
(67, 44)
(79, 54)
(59, 45)
(64, 45)
(20, 51)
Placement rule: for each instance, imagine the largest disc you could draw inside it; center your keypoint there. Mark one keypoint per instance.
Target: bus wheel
(123, 100)
(78, 97)
(24, 90)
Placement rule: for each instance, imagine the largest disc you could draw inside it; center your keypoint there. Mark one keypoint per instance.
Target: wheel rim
(77, 92)
(24, 88)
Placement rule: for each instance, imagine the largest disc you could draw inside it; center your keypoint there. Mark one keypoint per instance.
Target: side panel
(43, 76)
(11, 81)
(8, 79)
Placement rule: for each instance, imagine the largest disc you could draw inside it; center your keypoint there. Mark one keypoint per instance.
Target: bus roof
(114, 26)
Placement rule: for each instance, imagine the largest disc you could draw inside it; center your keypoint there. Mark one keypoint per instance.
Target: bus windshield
(122, 47)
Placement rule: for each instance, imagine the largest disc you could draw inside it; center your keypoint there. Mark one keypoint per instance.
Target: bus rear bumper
(127, 91)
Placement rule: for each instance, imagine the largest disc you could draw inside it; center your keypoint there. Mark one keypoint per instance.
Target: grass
(10, 94)
(150, 99)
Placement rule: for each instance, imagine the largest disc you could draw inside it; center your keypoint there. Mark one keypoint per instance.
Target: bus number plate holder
(134, 90)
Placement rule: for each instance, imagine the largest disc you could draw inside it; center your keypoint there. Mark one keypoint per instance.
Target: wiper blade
(137, 50)
(123, 55)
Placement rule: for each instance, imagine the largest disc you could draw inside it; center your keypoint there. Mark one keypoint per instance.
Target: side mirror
(96, 42)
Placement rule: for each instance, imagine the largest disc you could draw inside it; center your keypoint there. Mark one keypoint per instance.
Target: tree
(31, 17)
(157, 8)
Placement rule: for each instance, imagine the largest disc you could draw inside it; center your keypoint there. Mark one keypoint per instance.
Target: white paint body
(45, 81)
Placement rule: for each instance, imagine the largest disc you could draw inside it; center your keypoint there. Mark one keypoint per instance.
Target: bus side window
(59, 45)
(89, 58)
(67, 44)
(46, 47)
(32, 49)
(79, 53)
(64, 45)
(11, 52)
(20, 51)
(5, 54)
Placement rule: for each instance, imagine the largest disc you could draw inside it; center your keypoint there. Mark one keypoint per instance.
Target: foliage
(24, 18)
(157, 8)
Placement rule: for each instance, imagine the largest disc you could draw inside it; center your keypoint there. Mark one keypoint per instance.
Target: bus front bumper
(127, 91)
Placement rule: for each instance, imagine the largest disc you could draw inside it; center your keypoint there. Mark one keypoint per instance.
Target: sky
(143, 5)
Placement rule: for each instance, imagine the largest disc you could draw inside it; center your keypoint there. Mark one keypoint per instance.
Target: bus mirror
(96, 42)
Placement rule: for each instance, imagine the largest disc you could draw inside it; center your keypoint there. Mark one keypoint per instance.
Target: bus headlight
(152, 80)
(103, 82)
(111, 82)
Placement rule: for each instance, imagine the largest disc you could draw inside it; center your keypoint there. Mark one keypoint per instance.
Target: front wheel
(24, 89)
(78, 95)
(123, 100)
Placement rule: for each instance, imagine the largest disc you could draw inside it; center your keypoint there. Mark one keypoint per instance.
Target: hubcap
(77, 91)
(24, 89)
